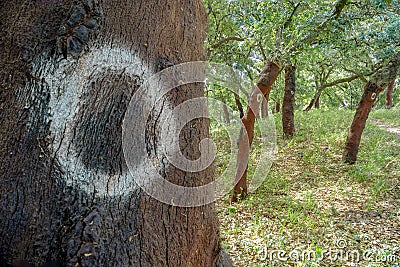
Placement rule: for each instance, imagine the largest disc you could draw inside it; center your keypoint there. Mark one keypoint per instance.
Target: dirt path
(387, 127)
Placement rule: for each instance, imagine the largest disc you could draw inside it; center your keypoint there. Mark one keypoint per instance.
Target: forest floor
(313, 210)
(387, 116)
(387, 127)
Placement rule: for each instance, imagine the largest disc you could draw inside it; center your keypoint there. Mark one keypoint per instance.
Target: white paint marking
(67, 84)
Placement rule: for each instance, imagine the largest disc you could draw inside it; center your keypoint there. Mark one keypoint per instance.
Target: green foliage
(246, 33)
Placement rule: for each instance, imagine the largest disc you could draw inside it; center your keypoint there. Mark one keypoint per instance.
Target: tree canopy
(334, 43)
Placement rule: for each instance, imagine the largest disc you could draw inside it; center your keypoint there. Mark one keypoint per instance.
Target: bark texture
(389, 95)
(371, 92)
(264, 84)
(372, 89)
(289, 101)
(62, 197)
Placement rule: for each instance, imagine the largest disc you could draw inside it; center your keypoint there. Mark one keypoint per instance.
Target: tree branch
(289, 20)
(344, 80)
(340, 5)
(262, 51)
(337, 10)
(227, 40)
(362, 75)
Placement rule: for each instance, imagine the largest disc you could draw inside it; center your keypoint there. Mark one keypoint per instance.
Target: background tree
(389, 95)
(371, 92)
(288, 101)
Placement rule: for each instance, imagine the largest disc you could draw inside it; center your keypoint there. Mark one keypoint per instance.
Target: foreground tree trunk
(264, 84)
(389, 95)
(371, 91)
(288, 101)
(67, 72)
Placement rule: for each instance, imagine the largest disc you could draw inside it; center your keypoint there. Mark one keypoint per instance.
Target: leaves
(311, 34)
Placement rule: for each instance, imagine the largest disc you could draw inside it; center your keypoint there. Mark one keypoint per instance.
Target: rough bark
(264, 85)
(389, 95)
(289, 101)
(61, 162)
(371, 92)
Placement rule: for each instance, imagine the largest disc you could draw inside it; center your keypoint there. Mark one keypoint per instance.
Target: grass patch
(391, 116)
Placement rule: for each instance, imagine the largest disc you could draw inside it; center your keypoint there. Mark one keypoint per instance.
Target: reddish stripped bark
(371, 91)
(389, 95)
(288, 101)
(264, 84)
